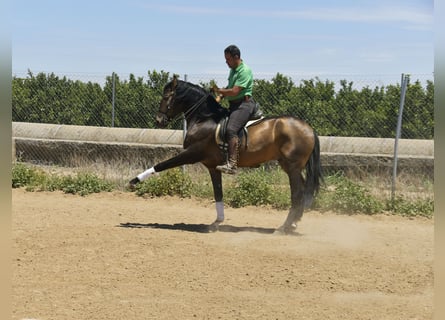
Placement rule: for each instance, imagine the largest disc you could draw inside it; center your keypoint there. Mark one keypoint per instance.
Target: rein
(192, 109)
(195, 106)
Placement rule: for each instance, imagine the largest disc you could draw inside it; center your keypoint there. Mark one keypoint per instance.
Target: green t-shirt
(241, 77)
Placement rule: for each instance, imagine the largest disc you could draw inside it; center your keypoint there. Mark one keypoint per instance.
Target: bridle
(171, 100)
(193, 108)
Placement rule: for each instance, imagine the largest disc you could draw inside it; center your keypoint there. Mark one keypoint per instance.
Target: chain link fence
(353, 106)
(335, 105)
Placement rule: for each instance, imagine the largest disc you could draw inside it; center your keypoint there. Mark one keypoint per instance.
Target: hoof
(215, 225)
(132, 184)
(285, 230)
(279, 232)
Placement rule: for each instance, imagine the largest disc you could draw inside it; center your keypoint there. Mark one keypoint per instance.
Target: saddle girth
(243, 134)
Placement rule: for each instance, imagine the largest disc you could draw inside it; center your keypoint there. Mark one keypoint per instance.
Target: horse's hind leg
(296, 183)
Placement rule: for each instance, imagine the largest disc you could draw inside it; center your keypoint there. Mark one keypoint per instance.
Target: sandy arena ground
(120, 256)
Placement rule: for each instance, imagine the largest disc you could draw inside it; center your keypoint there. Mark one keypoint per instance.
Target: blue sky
(305, 38)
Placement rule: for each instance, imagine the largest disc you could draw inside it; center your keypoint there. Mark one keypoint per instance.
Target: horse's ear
(174, 82)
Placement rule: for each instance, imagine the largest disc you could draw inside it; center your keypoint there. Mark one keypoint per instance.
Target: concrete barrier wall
(96, 134)
(71, 145)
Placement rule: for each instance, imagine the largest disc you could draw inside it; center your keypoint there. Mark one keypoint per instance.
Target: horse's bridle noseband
(170, 100)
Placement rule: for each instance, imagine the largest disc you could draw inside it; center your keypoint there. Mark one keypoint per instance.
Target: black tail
(314, 175)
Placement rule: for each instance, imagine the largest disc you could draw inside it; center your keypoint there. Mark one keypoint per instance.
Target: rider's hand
(215, 91)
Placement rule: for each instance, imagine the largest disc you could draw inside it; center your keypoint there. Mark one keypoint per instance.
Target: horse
(286, 139)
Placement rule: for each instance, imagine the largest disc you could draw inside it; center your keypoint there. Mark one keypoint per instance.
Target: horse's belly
(255, 156)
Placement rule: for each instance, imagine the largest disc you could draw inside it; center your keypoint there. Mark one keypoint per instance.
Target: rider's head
(233, 56)
(233, 51)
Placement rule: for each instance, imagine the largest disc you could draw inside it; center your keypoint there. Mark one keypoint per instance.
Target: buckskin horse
(290, 141)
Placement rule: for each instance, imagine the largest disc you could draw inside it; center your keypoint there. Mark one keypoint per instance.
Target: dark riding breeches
(239, 115)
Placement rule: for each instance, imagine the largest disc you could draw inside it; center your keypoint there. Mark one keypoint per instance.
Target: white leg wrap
(219, 211)
(146, 174)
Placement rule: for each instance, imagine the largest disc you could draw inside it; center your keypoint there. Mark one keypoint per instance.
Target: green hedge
(345, 111)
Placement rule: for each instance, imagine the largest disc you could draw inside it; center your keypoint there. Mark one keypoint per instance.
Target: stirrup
(227, 168)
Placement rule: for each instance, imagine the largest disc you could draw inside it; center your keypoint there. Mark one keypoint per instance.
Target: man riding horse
(241, 104)
(284, 138)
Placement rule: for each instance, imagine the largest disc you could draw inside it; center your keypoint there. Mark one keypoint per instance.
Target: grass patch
(251, 187)
(412, 208)
(168, 183)
(343, 195)
(256, 187)
(35, 179)
(83, 184)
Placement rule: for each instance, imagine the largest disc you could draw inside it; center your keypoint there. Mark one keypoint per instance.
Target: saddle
(221, 129)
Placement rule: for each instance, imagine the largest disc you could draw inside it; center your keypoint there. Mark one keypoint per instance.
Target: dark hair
(233, 51)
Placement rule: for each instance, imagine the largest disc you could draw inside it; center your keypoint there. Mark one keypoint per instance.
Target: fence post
(184, 127)
(403, 87)
(112, 99)
(184, 123)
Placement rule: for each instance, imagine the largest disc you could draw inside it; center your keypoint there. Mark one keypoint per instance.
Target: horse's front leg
(215, 175)
(187, 156)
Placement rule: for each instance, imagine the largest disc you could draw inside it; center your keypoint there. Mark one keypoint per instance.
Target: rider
(241, 105)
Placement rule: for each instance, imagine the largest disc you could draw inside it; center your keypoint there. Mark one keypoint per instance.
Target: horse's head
(180, 96)
(166, 111)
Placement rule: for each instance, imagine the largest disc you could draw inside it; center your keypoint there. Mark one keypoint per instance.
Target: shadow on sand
(199, 228)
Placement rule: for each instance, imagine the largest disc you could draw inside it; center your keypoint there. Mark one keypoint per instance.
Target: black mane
(191, 93)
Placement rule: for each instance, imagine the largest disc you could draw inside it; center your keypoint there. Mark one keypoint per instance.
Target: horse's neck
(204, 113)
(196, 106)
(200, 106)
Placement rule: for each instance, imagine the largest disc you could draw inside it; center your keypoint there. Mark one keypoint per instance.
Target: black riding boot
(231, 165)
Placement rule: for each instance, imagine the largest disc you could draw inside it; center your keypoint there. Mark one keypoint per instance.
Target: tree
(418, 112)
(347, 111)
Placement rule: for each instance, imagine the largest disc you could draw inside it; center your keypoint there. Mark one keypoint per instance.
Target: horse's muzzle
(161, 120)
